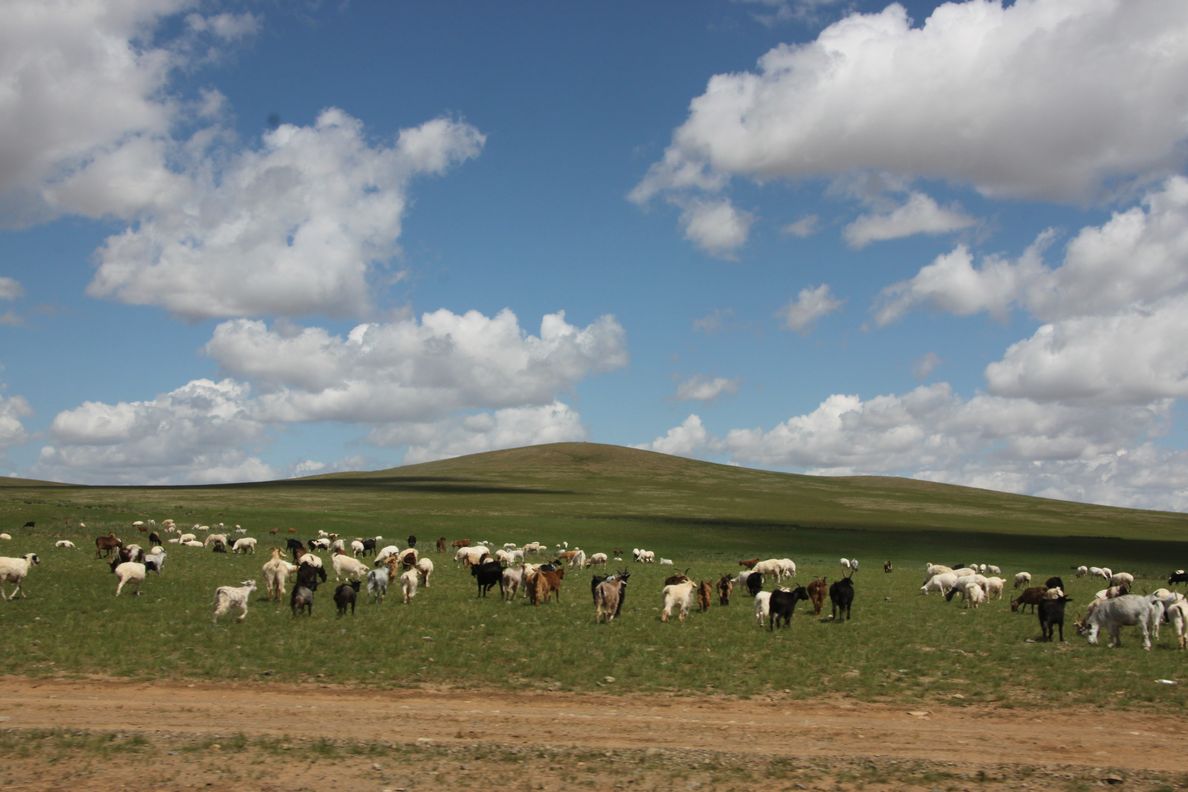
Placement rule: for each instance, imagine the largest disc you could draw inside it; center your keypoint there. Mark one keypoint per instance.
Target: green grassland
(900, 646)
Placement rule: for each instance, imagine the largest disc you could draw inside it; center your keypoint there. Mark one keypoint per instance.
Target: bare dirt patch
(60, 734)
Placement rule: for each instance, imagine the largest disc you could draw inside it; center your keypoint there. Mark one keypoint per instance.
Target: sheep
(244, 544)
(227, 597)
(787, 568)
(408, 584)
(1022, 579)
(1113, 614)
(347, 566)
(678, 595)
(597, 559)
(65, 544)
(384, 554)
(994, 587)
(665, 562)
(943, 582)
(5, 537)
(992, 569)
(128, 572)
(14, 570)
(1122, 579)
(357, 547)
(309, 559)
(469, 556)
(345, 595)
(377, 584)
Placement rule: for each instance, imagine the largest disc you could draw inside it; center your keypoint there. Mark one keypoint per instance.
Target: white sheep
(384, 554)
(6, 537)
(942, 582)
(993, 569)
(665, 562)
(228, 597)
(1113, 614)
(994, 587)
(244, 544)
(193, 543)
(65, 544)
(215, 538)
(677, 595)
(787, 569)
(357, 547)
(14, 570)
(1122, 579)
(1022, 579)
(347, 566)
(129, 572)
(597, 559)
(408, 584)
(310, 559)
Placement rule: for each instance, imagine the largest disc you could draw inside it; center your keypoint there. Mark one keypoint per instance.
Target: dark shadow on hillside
(428, 484)
(942, 546)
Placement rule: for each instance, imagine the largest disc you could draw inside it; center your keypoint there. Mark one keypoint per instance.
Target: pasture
(900, 647)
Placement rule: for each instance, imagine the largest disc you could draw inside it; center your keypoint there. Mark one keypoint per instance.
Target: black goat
(487, 574)
(1051, 615)
(783, 604)
(841, 594)
(294, 546)
(1179, 576)
(155, 538)
(1054, 582)
(754, 583)
(344, 595)
(309, 575)
(598, 579)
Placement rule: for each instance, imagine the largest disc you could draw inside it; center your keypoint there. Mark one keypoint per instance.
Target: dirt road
(244, 736)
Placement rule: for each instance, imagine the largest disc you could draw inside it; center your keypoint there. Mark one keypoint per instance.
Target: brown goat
(461, 543)
(749, 563)
(441, 544)
(105, 544)
(544, 583)
(725, 589)
(1032, 596)
(817, 590)
(705, 592)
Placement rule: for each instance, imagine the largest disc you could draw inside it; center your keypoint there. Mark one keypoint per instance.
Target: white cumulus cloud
(293, 228)
(919, 214)
(1032, 100)
(699, 388)
(810, 305)
(717, 227)
(688, 439)
(414, 370)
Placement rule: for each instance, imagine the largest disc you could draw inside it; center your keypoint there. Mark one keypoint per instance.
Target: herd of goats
(389, 567)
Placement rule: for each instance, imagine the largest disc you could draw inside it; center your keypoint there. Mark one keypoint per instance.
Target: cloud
(1028, 100)
(925, 365)
(87, 94)
(1135, 357)
(809, 306)
(716, 227)
(1134, 258)
(803, 227)
(10, 289)
(199, 433)
(511, 427)
(294, 228)
(920, 214)
(1092, 452)
(414, 371)
(12, 430)
(701, 388)
(713, 322)
(688, 439)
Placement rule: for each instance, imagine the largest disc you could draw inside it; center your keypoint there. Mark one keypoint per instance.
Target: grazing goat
(679, 596)
(377, 584)
(487, 574)
(228, 597)
(817, 591)
(301, 600)
(725, 589)
(345, 595)
(244, 544)
(1030, 596)
(1051, 615)
(1113, 614)
(754, 583)
(783, 603)
(841, 594)
(408, 585)
(14, 570)
(608, 597)
(128, 572)
(1178, 576)
(348, 566)
(105, 544)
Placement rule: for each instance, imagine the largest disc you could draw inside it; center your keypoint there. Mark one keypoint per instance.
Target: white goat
(276, 571)
(677, 595)
(408, 584)
(228, 597)
(377, 584)
(425, 569)
(347, 566)
(14, 570)
(1113, 614)
(762, 607)
(1177, 614)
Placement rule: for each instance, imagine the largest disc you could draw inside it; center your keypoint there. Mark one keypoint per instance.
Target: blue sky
(245, 241)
